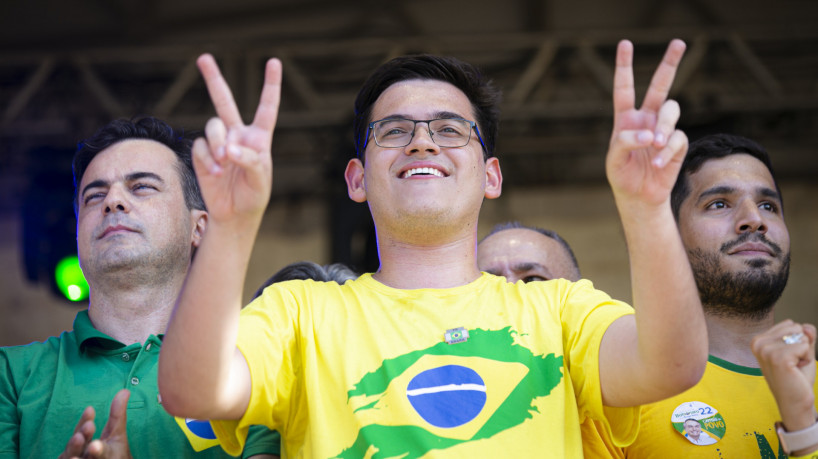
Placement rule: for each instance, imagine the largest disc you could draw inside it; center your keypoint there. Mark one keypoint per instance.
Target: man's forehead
(523, 244)
(735, 172)
(422, 99)
(127, 157)
(522, 236)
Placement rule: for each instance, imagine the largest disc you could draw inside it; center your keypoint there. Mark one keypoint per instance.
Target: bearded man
(729, 211)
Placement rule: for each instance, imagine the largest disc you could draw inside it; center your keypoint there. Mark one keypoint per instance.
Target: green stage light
(70, 280)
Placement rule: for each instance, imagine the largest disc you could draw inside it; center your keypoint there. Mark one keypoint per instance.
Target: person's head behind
(148, 128)
(520, 252)
(711, 147)
(335, 272)
(480, 91)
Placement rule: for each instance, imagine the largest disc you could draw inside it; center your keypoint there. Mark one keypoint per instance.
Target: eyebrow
(436, 115)
(446, 115)
(724, 189)
(128, 178)
(519, 267)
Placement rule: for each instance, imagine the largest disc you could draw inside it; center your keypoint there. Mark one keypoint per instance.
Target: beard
(749, 294)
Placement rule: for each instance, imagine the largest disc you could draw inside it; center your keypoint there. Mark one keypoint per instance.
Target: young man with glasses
(427, 356)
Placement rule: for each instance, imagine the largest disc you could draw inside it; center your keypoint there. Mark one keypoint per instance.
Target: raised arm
(201, 372)
(662, 350)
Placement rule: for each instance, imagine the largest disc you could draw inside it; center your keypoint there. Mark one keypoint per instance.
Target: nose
(750, 218)
(116, 201)
(422, 141)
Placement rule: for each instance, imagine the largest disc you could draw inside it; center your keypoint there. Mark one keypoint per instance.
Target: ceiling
(67, 68)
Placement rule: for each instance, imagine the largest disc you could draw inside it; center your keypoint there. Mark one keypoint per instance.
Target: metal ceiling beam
(557, 85)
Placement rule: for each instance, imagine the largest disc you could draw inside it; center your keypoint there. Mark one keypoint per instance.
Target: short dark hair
(336, 272)
(545, 232)
(142, 128)
(714, 146)
(481, 92)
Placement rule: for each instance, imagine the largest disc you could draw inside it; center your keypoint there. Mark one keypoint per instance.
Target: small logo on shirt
(456, 335)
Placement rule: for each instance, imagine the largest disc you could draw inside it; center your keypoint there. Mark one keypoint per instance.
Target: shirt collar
(88, 335)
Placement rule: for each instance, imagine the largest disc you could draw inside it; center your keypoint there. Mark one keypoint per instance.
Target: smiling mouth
(430, 171)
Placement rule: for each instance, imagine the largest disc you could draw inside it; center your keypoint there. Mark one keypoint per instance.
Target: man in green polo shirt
(140, 217)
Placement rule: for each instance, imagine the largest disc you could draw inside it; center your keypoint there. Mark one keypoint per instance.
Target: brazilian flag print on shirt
(199, 433)
(445, 395)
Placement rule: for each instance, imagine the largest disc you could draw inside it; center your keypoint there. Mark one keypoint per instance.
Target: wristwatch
(798, 440)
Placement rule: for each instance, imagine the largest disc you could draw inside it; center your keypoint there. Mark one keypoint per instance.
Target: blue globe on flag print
(447, 396)
(201, 428)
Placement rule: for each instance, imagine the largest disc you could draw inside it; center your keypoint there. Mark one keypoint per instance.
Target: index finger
(267, 111)
(219, 91)
(624, 95)
(810, 331)
(118, 415)
(663, 77)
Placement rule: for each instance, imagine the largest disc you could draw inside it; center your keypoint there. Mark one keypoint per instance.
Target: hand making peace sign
(234, 165)
(646, 149)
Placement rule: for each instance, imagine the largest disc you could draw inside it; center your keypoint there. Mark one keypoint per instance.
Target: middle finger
(663, 77)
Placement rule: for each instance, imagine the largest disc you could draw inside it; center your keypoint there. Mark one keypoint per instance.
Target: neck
(427, 265)
(131, 314)
(730, 337)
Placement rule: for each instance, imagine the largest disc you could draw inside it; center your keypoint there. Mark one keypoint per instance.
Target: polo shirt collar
(87, 335)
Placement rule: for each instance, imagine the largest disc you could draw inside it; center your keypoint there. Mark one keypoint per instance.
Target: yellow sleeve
(587, 313)
(268, 339)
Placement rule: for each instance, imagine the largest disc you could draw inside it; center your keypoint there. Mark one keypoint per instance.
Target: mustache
(752, 237)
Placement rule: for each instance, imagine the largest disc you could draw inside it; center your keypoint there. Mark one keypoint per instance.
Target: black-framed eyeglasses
(445, 132)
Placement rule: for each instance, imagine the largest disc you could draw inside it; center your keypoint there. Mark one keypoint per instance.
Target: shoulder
(32, 363)
(33, 354)
(50, 344)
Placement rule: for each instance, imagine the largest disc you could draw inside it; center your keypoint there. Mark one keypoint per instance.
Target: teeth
(423, 170)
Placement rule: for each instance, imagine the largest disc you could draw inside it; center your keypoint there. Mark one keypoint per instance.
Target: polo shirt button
(148, 347)
(134, 381)
(126, 356)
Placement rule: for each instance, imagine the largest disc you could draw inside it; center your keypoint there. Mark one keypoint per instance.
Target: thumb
(118, 417)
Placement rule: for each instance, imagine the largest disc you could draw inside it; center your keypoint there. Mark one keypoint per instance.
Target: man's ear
(354, 176)
(494, 178)
(199, 225)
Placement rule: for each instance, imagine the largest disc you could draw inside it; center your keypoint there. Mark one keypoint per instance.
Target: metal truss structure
(761, 82)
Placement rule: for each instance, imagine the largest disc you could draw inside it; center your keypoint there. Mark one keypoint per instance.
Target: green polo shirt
(45, 386)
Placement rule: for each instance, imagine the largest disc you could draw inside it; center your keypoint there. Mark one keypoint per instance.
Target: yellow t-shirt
(489, 369)
(735, 412)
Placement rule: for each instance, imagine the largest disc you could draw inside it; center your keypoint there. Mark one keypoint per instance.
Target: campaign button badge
(699, 423)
